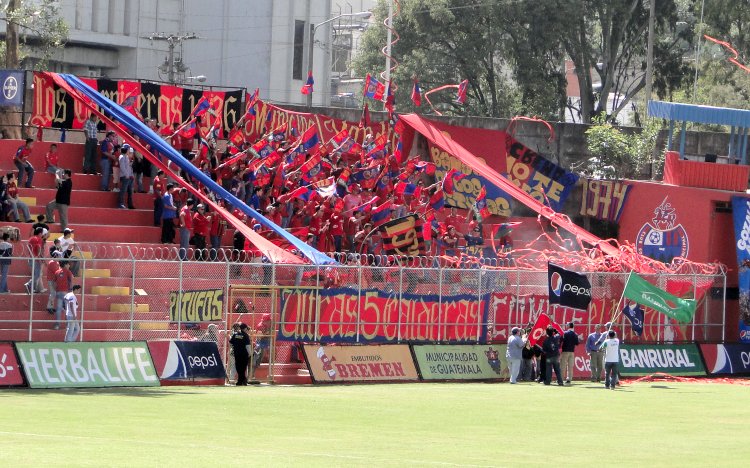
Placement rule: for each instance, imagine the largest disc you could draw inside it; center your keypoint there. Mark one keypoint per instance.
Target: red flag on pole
(539, 330)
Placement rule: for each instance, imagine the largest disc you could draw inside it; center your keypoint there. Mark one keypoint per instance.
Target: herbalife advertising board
(65, 365)
(670, 359)
(461, 362)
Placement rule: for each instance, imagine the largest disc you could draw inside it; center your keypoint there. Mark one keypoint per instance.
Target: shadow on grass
(142, 392)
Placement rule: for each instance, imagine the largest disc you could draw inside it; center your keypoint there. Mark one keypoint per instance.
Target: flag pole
(618, 310)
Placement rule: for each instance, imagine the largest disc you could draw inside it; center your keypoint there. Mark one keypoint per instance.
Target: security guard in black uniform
(240, 342)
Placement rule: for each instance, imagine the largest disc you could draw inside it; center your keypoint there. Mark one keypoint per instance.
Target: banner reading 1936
(196, 306)
(378, 316)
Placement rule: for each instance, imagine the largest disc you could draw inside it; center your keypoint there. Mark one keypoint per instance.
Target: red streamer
(731, 49)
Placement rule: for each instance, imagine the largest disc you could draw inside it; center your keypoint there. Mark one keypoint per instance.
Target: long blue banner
(741, 213)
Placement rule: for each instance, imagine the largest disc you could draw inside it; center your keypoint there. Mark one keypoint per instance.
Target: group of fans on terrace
(333, 195)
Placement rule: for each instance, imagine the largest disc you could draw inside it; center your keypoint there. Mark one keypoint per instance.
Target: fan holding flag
(307, 88)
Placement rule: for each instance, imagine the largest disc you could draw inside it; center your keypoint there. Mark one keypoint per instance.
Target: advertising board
(10, 371)
(187, 360)
(728, 358)
(674, 359)
(87, 364)
(367, 363)
(461, 362)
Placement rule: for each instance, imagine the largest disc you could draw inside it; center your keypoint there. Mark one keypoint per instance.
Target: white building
(239, 43)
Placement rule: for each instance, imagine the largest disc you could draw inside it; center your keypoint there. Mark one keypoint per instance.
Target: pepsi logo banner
(187, 360)
(568, 288)
(348, 315)
(729, 358)
(367, 363)
(10, 372)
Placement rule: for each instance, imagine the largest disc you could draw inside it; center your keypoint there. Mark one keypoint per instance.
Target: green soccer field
(648, 424)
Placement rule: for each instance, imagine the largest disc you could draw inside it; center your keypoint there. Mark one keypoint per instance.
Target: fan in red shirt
(51, 159)
(201, 228)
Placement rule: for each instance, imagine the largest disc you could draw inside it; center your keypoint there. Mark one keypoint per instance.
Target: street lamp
(311, 41)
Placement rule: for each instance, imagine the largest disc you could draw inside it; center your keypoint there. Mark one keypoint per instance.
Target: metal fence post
(479, 305)
(179, 300)
(400, 300)
(724, 309)
(31, 302)
(359, 300)
(317, 302)
(132, 298)
(83, 295)
(440, 303)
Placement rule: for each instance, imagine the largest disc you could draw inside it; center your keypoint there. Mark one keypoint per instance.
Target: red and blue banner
(741, 213)
(53, 107)
(346, 315)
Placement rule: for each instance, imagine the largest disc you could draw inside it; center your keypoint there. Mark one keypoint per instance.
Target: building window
(299, 49)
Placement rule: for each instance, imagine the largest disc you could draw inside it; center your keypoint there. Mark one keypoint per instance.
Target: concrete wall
(569, 145)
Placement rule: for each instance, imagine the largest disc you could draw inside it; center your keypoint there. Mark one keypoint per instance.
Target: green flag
(645, 293)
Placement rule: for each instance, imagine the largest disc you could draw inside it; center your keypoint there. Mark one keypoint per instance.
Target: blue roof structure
(737, 119)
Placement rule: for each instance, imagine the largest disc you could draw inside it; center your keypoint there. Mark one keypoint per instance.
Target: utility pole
(650, 51)
(172, 40)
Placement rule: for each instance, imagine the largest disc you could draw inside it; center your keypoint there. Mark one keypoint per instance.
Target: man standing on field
(611, 347)
(567, 358)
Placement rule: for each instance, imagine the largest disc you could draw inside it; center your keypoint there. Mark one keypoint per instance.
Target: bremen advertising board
(367, 363)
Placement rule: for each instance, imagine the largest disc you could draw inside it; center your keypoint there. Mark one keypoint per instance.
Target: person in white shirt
(70, 303)
(611, 347)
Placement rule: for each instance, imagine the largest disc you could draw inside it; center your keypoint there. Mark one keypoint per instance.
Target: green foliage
(621, 154)
(42, 31)
(446, 41)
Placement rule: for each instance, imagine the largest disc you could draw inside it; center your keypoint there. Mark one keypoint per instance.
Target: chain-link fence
(150, 294)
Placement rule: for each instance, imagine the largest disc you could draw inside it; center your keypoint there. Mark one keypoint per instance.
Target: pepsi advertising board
(187, 360)
(10, 371)
(741, 215)
(730, 358)
(12, 82)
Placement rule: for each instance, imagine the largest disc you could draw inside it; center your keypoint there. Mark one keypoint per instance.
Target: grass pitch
(648, 424)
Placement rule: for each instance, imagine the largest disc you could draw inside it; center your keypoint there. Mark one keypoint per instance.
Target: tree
(446, 41)
(38, 26)
(609, 37)
(620, 153)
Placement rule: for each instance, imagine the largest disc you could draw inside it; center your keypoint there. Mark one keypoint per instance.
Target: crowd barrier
(141, 364)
